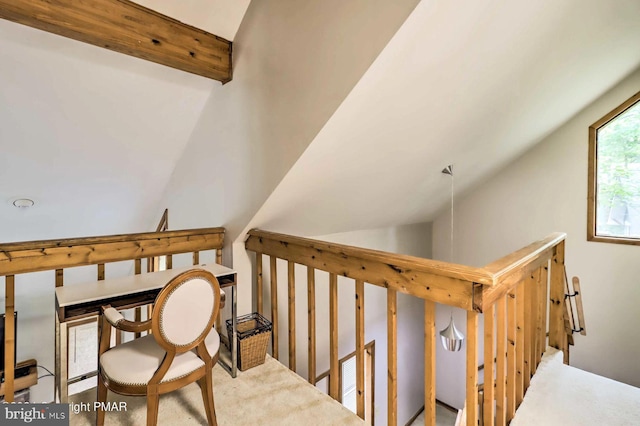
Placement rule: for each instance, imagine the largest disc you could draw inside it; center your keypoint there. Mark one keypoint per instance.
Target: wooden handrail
(153, 263)
(34, 256)
(435, 267)
(503, 268)
(103, 239)
(518, 266)
(448, 283)
(511, 292)
(56, 255)
(431, 280)
(163, 225)
(492, 274)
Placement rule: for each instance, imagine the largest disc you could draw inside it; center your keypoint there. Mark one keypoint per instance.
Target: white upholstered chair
(182, 348)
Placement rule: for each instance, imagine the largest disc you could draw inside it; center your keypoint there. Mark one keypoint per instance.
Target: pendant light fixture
(451, 337)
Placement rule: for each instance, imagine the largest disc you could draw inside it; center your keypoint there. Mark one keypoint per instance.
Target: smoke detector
(23, 203)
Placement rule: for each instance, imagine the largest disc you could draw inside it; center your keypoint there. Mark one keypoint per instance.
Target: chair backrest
(185, 310)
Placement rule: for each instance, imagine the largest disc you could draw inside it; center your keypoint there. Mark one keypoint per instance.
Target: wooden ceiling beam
(126, 27)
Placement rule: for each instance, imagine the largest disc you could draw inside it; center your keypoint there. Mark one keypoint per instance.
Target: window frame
(593, 170)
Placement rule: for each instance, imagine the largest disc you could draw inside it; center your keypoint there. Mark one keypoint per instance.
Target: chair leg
(206, 387)
(152, 409)
(102, 398)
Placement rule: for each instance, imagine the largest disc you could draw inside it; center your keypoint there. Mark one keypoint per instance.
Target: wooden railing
(57, 255)
(513, 293)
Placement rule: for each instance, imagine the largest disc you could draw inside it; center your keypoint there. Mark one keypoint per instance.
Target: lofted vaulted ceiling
(470, 83)
(93, 135)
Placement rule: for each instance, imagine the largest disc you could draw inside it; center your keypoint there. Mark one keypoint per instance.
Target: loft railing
(17, 259)
(514, 294)
(153, 264)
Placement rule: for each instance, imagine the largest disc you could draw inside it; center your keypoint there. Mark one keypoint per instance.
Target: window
(614, 176)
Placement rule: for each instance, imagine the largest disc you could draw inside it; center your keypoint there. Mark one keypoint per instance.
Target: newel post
(9, 338)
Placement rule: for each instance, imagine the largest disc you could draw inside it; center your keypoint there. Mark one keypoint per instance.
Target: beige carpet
(266, 395)
(566, 396)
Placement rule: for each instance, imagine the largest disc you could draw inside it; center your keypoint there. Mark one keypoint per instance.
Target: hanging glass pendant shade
(451, 337)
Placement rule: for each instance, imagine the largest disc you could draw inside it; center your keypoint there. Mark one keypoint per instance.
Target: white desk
(86, 300)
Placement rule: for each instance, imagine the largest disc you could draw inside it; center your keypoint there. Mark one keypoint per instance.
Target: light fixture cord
(451, 247)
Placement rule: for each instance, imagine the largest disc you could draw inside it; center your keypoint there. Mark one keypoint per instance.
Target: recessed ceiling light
(23, 203)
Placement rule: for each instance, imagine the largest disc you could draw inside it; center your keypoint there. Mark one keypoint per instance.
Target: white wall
(294, 63)
(413, 240)
(92, 137)
(545, 191)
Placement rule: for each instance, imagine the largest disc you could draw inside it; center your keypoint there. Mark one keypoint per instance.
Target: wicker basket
(254, 332)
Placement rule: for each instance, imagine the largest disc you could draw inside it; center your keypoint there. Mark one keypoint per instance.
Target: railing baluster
(274, 306)
(533, 307)
(519, 343)
(512, 316)
(472, 368)
(334, 388)
(311, 322)
(9, 337)
(541, 311)
(527, 322)
(259, 301)
(556, 299)
(137, 266)
(488, 408)
(429, 363)
(360, 348)
(501, 353)
(544, 289)
(118, 333)
(57, 384)
(541, 331)
(169, 265)
(511, 355)
(56, 255)
(392, 358)
(291, 293)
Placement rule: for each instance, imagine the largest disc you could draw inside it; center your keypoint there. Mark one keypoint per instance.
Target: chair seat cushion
(134, 362)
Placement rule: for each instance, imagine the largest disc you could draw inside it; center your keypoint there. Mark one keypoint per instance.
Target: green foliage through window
(618, 175)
